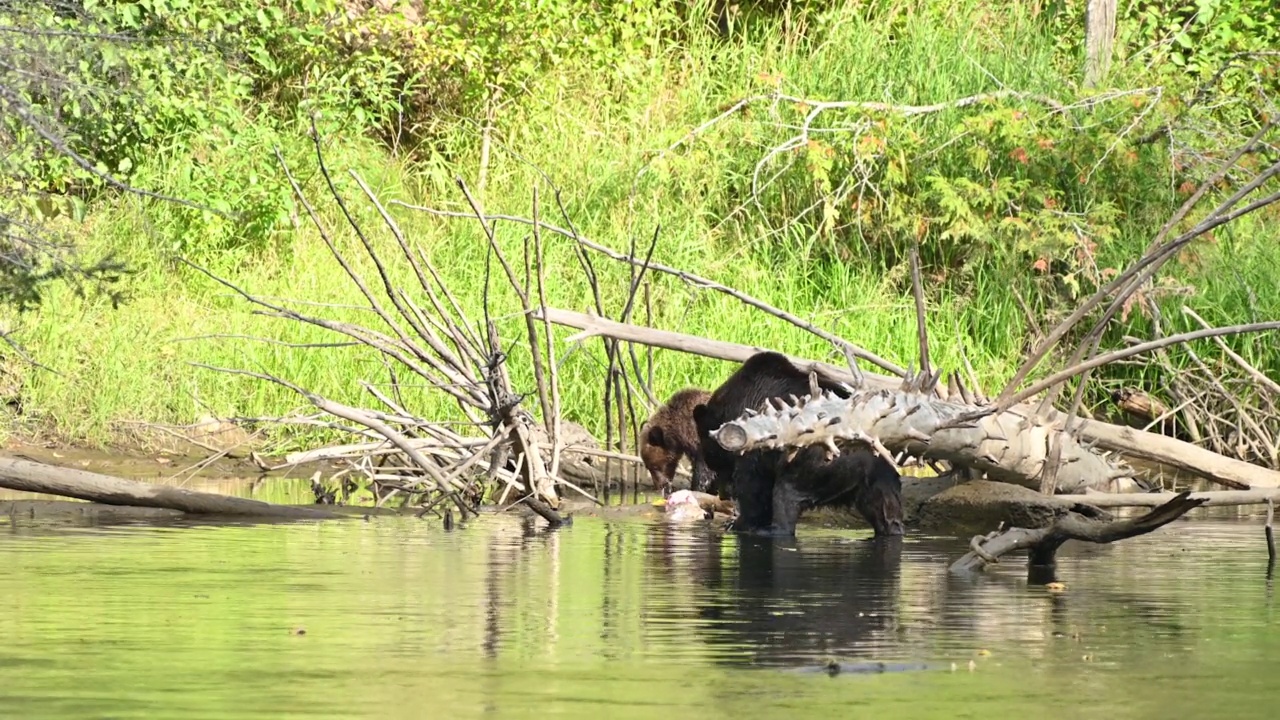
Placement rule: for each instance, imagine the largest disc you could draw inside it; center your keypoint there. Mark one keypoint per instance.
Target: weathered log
(1217, 498)
(1043, 543)
(1177, 455)
(1099, 37)
(906, 420)
(595, 326)
(1132, 443)
(28, 476)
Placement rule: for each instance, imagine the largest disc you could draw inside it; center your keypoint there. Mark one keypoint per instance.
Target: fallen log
(28, 476)
(595, 326)
(1216, 498)
(1131, 443)
(908, 420)
(1043, 543)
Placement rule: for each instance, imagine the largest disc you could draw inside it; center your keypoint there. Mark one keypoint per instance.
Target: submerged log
(28, 476)
(1043, 543)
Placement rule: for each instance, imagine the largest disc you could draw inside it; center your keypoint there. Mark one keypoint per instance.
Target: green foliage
(1052, 188)
(119, 81)
(1008, 191)
(123, 79)
(1020, 204)
(1203, 36)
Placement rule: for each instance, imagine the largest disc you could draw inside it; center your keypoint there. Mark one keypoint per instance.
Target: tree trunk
(28, 476)
(1099, 34)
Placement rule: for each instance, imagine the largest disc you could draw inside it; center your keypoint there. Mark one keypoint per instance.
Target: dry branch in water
(1043, 543)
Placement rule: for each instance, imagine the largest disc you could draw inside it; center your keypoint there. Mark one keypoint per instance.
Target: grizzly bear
(669, 435)
(771, 492)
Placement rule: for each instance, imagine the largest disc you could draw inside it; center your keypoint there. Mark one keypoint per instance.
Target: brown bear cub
(772, 492)
(669, 435)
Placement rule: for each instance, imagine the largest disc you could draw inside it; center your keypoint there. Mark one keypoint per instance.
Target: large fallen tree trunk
(28, 476)
(1129, 442)
(908, 421)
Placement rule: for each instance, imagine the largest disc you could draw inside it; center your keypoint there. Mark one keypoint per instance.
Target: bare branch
(690, 278)
(1043, 543)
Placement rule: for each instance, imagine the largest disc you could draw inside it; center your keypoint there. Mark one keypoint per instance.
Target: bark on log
(1007, 448)
(1043, 543)
(1158, 449)
(1099, 37)
(28, 476)
(1217, 498)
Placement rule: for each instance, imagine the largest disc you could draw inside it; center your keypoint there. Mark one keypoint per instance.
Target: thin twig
(690, 278)
(1111, 357)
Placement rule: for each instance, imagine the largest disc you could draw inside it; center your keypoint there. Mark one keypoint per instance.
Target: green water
(620, 619)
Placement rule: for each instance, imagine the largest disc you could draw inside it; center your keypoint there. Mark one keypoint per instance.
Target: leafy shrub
(1202, 36)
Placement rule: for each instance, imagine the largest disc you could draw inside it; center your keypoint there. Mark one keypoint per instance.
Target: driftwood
(1129, 442)
(1215, 498)
(28, 476)
(1043, 543)
(911, 422)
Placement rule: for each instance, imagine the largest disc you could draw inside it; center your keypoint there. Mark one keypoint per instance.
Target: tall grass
(591, 138)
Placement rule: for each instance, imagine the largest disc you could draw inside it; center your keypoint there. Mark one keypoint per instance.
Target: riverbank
(618, 153)
(936, 506)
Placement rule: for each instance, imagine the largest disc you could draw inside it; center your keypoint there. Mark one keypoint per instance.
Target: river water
(622, 618)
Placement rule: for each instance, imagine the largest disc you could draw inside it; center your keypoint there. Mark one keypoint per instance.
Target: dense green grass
(592, 140)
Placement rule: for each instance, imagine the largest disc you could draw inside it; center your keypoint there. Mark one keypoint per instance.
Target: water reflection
(777, 602)
(636, 619)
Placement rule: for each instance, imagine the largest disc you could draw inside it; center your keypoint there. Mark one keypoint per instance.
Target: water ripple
(394, 618)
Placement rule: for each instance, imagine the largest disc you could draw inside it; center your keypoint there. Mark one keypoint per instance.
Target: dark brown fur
(772, 492)
(671, 434)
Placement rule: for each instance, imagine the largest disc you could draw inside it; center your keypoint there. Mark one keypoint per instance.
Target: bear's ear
(655, 436)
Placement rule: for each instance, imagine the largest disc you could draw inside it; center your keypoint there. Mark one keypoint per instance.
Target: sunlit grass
(136, 362)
